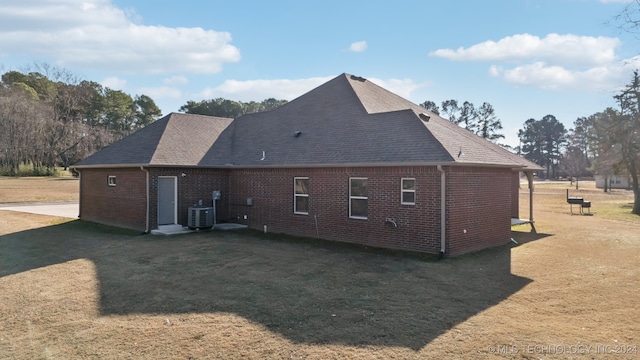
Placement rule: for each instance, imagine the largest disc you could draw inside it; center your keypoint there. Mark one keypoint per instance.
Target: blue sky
(528, 58)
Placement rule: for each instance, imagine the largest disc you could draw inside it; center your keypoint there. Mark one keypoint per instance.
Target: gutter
(310, 165)
(443, 212)
(146, 228)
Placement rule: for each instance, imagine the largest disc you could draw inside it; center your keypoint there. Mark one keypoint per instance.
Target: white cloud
(176, 80)
(114, 83)
(402, 87)
(538, 74)
(554, 77)
(359, 46)
(95, 34)
(554, 62)
(564, 49)
(258, 90)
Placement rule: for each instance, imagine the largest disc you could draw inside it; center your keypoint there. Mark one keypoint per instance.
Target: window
(301, 195)
(408, 190)
(111, 180)
(358, 198)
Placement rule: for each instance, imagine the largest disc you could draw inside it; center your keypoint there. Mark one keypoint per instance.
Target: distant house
(614, 181)
(348, 161)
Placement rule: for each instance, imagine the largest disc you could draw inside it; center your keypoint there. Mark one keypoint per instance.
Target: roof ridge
(346, 78)
(175, 113)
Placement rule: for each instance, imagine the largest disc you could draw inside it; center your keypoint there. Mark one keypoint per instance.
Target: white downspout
(146, 228)
(443, 212)
(79, 193)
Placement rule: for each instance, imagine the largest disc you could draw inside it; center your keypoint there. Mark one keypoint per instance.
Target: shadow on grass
(308, 291)
(525, 237)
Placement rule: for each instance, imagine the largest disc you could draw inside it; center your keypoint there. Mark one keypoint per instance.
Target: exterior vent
(424, 117)
(358, 78)
(200, 217)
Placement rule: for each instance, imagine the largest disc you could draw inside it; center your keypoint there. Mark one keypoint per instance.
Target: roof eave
(328, 165)
(360, 164)
(108, 166)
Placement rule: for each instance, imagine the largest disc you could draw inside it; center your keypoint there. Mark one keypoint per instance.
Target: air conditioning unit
(200, 217)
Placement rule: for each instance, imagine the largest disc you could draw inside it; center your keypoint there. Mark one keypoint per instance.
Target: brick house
(348, 161)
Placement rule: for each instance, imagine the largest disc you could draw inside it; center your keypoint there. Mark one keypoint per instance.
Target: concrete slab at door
(167, 200)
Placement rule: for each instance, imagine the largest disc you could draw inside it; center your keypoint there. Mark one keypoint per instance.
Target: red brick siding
(123, 205)
(195, 185)
(272, 193)
(515, 195)
(478, 201)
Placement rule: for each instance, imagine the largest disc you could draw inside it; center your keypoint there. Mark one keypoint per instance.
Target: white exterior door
(167, 200)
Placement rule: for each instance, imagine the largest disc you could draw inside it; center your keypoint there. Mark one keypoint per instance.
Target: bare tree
(21, 120)
(624, 132)
(50, 117)
(628, 20)
(574, 163)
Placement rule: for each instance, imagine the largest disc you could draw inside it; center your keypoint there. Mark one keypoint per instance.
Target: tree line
(229, 108)
(606, 143)
(49, 118)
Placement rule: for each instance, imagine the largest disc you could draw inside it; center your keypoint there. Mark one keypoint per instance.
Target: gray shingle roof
(346, 121)
(176, 139)
(351, 121)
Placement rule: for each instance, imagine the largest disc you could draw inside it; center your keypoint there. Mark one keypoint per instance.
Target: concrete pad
(515, 221)
(67, 210)
(179, 229)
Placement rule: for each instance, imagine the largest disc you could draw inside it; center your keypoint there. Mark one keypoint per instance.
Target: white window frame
(111, 180)
(403, 191)
(355, 197)
(296, 196)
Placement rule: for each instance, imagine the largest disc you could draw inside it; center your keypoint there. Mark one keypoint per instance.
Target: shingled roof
(175, 140)
(348, 121)
(352, 121)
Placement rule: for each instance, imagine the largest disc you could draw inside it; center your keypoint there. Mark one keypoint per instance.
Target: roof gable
(176, 139)
(187, 138)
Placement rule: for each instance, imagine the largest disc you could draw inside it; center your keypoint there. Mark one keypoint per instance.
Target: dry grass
(551, 197)
(76, 290)
(38, 189)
